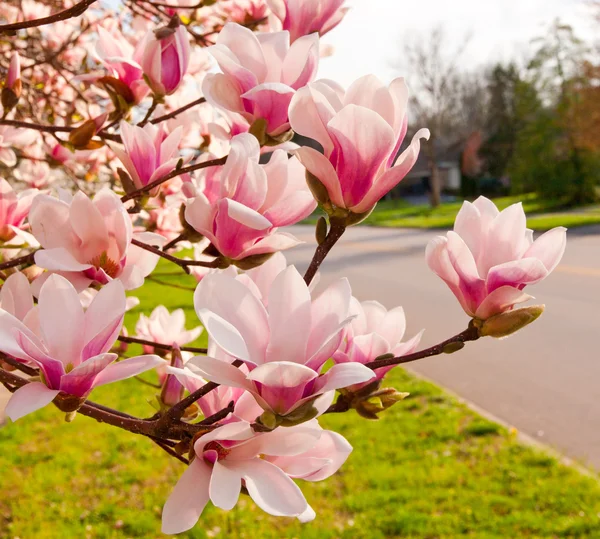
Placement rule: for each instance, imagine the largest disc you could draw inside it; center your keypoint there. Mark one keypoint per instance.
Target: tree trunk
(435, 183)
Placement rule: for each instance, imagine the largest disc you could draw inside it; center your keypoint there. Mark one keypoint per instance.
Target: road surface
(545, 380)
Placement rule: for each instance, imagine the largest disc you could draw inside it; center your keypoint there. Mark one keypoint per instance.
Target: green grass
(542, 214)
(430, 468)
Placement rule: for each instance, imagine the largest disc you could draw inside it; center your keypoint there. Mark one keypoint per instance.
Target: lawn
(431, 468)
(542, 214)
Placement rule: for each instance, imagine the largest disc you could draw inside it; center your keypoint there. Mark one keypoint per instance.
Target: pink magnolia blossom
(284, 345)
(69, 346)
(14, 74)
(361, 131)
(115, 52)
(164, 60)
(89, 241)
(254, 200)
(261, 73)
(308, 16)
(374, 332)
(165, 328)
(490, 257)
(234, 455)
(149, 153)
(14, 209)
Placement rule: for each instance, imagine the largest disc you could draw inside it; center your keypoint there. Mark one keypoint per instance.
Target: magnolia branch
(144, 342)
(74, 11)
(175, 113)
(335, 233)
(174, 174)
(184, 264)
(53, 129)
(446, 347)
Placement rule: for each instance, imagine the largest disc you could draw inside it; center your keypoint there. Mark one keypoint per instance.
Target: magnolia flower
(115, 52)
(165, 328)
(36, 174)
(14, 209)
(308, 16)
(68, 345)
(254, 201)
(234, 455)
(361, 132)
(374, 332)
(89, 241)
(284, 345)
(164, 56)
(261, 73)
(490, 257)
(149, 153)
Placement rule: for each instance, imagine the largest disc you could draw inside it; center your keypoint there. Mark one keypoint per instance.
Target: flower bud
(251, 262)
(172, 390)
(12, 87)
(165, 56)
(504, 324)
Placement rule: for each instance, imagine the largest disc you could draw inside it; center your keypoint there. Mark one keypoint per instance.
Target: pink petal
(516, 273)
(500, 300)
(549, 248)
(270, 101)
(80, 380)
(289, 317)
(393, 176)
(225, 486)
(343, 375)
(188, 499)
(272, 490)
(59, 259)
(28, 399)
(15, 295)
(320, 167)
(234, 303)
(301, 62)
(220, 372)
(127, 368)
(61, 320)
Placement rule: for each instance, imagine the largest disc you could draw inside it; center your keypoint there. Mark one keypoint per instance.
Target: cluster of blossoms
(219, 173)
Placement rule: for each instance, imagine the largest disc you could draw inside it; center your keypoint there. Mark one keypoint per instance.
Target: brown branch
(222, 414)
(175, 173)
(446, 347)
(149, 112)
(73, 11)
(53, 129)
(335, 233)
(178, 111)
(135, 340)
(26, 259)
(184, 264)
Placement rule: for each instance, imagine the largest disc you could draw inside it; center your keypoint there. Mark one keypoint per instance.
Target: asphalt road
(545, 380)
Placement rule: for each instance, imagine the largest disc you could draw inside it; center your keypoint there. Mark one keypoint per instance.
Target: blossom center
(214, 451)
(103, 262)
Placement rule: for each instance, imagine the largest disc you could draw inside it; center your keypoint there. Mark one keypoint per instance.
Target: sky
(370, 38)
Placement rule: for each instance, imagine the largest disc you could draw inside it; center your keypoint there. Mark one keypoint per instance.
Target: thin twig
(178, 111)
(174, 174)
(26, 259)
(73, 11)
(184, 264)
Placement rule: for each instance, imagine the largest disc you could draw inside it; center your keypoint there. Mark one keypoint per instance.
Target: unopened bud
(321, 230)
(172, 389)
(504, 324)
(9, 99)
(303, 413)
(370, 406)
(317, 188)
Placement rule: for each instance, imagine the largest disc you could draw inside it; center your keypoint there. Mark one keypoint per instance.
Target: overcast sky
(370, 38)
